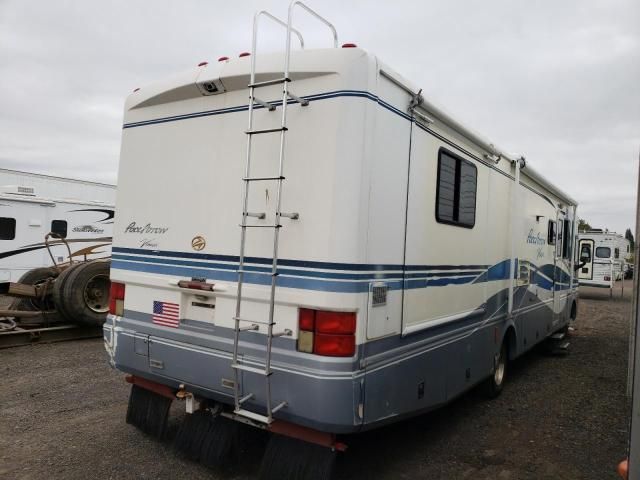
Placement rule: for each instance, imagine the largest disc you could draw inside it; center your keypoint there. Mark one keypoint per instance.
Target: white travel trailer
(330, 263)
(604, 258)
(32, 205)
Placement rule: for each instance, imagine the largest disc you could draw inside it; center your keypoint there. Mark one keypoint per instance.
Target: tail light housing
(116, 299)
(607, 278)
(331, 334)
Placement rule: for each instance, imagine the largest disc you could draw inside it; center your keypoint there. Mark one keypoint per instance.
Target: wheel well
(510, 340)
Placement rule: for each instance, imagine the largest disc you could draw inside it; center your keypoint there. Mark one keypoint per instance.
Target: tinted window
(603, 252)
(585, 253)
(551, 235)
(456, 191)
(59, 227)
(7, 228)
(616, 253)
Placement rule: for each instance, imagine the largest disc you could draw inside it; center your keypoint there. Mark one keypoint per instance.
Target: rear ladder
(243, 324)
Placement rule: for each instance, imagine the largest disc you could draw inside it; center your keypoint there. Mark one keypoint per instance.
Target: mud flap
(148, 411)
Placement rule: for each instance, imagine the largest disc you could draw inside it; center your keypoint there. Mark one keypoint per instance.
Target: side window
(7, 228)
(551, 235)
(566, 240)
(585, 253)
(616, 253)
(456, 190)
(603, 252)
(59, 227)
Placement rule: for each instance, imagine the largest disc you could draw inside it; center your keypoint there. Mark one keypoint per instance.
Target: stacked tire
(81, 292)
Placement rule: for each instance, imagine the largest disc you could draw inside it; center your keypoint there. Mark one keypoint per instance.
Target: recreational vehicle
(604, 258)
(319, 250)
(78, 213)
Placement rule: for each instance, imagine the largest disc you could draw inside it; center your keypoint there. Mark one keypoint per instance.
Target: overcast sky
(558, 81)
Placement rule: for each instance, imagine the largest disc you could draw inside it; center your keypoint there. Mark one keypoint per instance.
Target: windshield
(603, 252)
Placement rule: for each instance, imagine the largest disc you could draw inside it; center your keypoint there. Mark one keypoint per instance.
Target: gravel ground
(62, 417)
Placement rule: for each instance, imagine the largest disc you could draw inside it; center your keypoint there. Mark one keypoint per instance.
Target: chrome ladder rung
(259, 322)
(259, 215)
(266, 130)
(249, 328)
(247, 368)
(302, 101)
(261, 226)
(292, 215)
(266, 83)
(253, 415)
(269, 106)
(242, 270)
(245, 398)
(262, 179)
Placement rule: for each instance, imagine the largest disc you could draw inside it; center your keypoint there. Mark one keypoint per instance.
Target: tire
(35, 277)
(58, 293)
(85, 293)
(495, 383)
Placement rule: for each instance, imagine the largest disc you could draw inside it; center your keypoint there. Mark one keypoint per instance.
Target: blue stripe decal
(298, 282)
(277, 103)
(293, 263)
(327, 276)
(290, 272)
(319, 281)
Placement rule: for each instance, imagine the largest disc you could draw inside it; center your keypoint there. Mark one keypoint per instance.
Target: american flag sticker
(166, 314)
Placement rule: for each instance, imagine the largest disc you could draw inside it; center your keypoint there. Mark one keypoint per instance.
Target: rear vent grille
(379, 295)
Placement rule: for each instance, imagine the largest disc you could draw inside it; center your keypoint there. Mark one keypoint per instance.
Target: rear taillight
(331, 334)
(116, 299)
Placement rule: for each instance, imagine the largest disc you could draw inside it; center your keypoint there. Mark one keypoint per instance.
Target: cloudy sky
(556, 80)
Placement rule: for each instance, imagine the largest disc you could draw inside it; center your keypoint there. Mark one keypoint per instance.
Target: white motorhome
(604, 258)
(32, 205)
(329, 263)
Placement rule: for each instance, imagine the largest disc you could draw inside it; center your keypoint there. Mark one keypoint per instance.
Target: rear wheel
(85, 293)
(58, 295)
(494, 384)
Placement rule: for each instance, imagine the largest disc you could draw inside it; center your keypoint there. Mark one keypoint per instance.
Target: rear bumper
(323, 394)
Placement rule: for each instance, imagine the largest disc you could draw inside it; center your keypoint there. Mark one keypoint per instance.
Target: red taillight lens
(116, 298)
(336, 322)
(334, 345)
(327, 333)
(306, 319)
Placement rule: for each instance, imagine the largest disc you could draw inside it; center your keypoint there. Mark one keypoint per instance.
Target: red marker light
(244, 54)
(223, 59)
(202, 64)
(349, 45)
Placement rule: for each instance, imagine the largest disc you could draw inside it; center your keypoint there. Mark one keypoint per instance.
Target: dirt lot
(62, 417)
